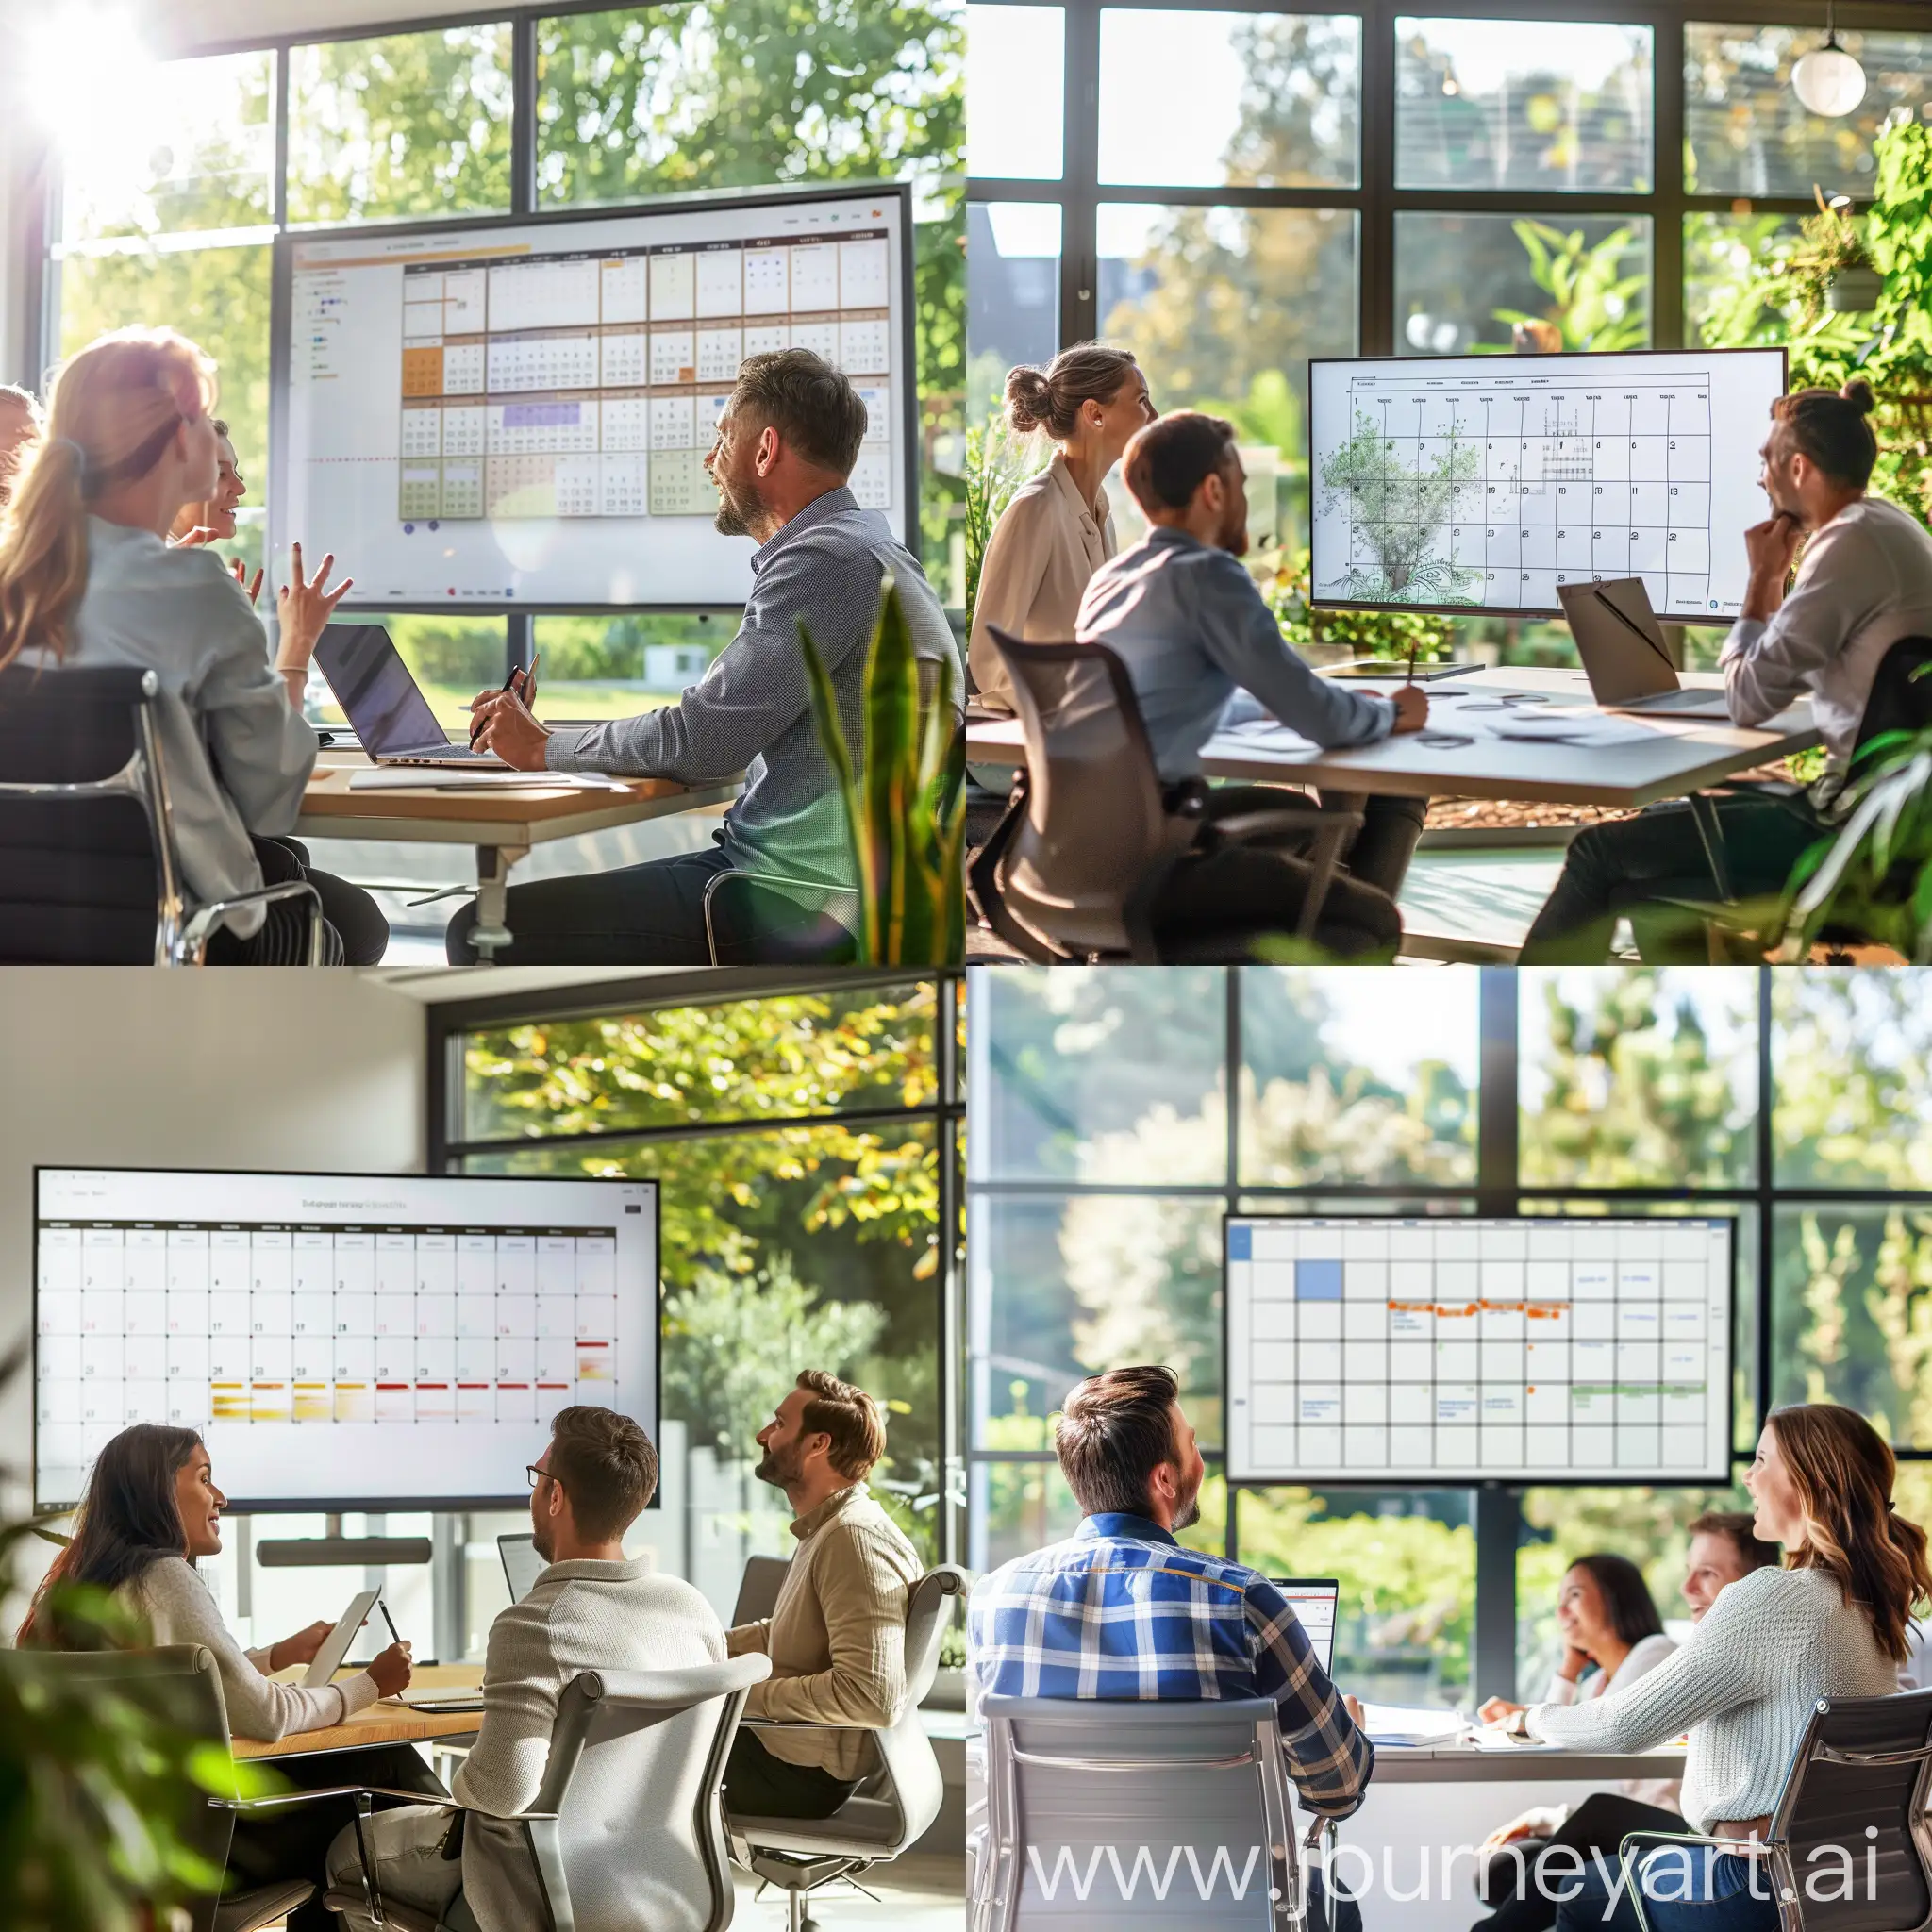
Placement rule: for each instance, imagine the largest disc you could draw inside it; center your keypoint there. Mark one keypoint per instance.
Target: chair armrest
(200, 927)
(378, 1792)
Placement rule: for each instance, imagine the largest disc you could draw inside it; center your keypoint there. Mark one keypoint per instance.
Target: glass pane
(1093, 1074)
(406, 125)
(1850, 1066)
(1502, 104)
(1061, 1286)
(1224, 307)
(1343, 1083)
(1013, 296)
(807, 1247)
(1747, 133)
(1849, 1294)
(1406, 1559)
(1014, 1508)
(1725, 302)
(1463, 282)
(1016, 79)
(1641, 1078)
(219, 298)
(1649, 1526)
(192, 146)
(1252, 100)
(595, 668)
(453, 659)
(768, 1059)
(654, 99)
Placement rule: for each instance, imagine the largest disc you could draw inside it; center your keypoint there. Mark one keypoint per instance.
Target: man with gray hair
(787, 443)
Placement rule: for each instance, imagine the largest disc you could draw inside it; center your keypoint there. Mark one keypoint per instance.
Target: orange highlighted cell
(423, 372)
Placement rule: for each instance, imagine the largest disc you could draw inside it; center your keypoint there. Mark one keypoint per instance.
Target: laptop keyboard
(1681, 701)
(451, 754)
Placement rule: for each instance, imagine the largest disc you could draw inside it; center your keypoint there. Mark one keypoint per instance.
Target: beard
(1233, 534)
(776, 1467)
(1189, 1513)
(737, 506)
(542, 1541)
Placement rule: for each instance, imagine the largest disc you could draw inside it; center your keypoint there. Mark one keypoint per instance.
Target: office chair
(895, 1805)
(625, 1833)
(1080, 1794)
(1859, 1781)
(1091, 838)
(180, 1686)
(90, 871)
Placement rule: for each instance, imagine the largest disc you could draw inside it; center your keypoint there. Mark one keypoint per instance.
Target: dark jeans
(1522, 1890)
(355, 934)
(1685, 1889)
(757, 1785)
(651, 914)
(293, 1842)
(1627, 867)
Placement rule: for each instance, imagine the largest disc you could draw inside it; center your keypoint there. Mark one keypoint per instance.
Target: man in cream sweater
(837, 1635)
(590, 1609)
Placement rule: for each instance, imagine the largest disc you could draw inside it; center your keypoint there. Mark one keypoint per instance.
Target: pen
(395, 1635)
(1631, 625)
(528, 677)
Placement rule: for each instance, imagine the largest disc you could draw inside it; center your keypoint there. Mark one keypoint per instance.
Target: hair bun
(1029, 399)
(1858, 394)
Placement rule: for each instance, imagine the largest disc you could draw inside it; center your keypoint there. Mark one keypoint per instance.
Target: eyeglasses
(536, 1474)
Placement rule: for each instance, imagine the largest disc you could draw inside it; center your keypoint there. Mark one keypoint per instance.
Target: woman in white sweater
(1831, 1623)
(150, 1510)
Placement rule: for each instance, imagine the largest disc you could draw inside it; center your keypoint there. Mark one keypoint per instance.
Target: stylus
(395, 1635)
(529, 681)
(1630, 624)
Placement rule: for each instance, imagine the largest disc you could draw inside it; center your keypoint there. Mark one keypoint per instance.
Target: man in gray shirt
(1201, 645)
(787, 443)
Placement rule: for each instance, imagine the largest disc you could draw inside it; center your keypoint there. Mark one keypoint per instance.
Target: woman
(87, 578)
(213, 521)
(151, 1510)
(1058, 530)
(1830, 1624)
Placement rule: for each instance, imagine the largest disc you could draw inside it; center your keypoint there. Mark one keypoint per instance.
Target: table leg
(1703, 812)
(492, 929)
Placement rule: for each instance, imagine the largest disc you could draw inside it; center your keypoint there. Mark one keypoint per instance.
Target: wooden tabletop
(1643, 758)
(384, 1722)
(515, 815)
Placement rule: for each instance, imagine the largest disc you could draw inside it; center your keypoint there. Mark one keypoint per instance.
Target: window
(803, 1144)
(1120, 1116)
(1015, 76)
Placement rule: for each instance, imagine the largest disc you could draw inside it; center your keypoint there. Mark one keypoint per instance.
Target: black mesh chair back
(85, 876)
(1901, 698)
(1096, 815)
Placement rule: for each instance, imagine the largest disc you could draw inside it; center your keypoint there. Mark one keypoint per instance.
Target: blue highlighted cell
(1318, 1281)
(1240, 1243)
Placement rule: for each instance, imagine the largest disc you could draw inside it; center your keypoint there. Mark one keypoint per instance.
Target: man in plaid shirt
(1121, 1611)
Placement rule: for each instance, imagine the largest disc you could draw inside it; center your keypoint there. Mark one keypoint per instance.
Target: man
(20, 424)
(1865, 583)
(837, 1635)
(1122, 1610)
(1519, 1876)
(1192, 629)
(592, 1609)
(786, 444)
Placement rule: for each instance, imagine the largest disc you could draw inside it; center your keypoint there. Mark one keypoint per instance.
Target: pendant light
(1828, 80)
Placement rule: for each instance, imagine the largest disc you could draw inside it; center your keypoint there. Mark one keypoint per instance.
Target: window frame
(451, 1022)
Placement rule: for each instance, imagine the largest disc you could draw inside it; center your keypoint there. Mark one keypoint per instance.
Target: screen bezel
(1489, 1479)
(281, 318)
(241, 1505)
(1555, 613)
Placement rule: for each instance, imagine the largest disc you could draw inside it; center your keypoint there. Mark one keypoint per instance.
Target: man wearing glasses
(590, 1609)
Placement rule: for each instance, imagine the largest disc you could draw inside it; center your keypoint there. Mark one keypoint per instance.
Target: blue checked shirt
(1123, 1611)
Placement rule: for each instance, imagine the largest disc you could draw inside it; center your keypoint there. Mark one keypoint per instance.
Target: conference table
(503, 824)
(1511, 733)
(385, 1721)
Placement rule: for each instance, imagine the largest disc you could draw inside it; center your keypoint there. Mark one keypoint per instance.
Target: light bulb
(1828, 80)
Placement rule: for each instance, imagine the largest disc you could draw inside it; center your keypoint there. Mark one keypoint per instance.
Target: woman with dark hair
(1831, 1623)
(1864, 581)
(1057, 529)
(150, 1510)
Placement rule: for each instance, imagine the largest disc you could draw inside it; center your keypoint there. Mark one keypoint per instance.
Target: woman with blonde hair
(87, 578)
(1831, 1623)
(1057, 529)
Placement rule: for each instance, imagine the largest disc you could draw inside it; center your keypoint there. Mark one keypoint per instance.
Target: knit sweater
(582, 1615)
(836, 1636)
(179, 1609)
(1744, 1684)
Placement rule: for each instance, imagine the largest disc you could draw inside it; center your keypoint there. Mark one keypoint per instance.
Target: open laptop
(522, 1565)
(384, 702)
(1623, 652)
(1313, 1600)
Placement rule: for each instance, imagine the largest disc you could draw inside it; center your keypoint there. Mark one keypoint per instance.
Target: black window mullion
(279, 188)
(1376, 238)
(1667, 322)
(1081, 160)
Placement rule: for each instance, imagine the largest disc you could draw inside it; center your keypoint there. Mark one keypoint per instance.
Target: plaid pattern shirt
(1123, 1611)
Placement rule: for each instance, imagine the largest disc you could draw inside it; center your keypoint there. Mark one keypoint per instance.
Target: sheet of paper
(1402, 1724)
(427, 778)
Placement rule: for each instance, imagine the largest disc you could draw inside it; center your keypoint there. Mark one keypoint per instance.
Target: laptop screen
(373, 687)
(522, 1565)
(1313, 1600)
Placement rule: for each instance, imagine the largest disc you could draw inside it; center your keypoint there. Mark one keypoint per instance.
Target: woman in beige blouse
(1056, 531)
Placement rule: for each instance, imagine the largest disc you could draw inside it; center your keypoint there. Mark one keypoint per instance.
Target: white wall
(140, 1068)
